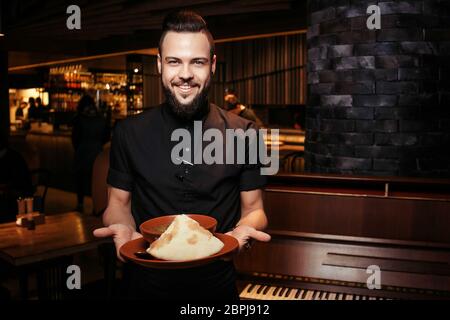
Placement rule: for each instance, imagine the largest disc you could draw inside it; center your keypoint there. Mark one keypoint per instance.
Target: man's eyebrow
(172, 58)
(201, 59)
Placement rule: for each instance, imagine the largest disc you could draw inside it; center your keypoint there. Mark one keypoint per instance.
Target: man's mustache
(191, 83)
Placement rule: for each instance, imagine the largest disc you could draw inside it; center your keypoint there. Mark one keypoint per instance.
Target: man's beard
(194, 110)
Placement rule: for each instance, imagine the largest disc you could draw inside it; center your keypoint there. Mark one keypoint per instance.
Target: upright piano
(349, 238)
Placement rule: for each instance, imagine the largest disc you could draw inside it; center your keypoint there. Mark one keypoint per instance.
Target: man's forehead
(186, 44)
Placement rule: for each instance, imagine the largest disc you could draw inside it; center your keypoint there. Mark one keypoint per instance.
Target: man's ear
(159, 63)
(213, 64)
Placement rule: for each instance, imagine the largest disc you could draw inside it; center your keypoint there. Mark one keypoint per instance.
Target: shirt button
(186, 171)
(187, 149)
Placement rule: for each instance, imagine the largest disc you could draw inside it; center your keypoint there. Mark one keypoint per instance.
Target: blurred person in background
(33, 113)
(90, 132)
(233, 105)
(15, 179)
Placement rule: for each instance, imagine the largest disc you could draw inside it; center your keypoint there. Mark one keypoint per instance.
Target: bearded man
(145, 183)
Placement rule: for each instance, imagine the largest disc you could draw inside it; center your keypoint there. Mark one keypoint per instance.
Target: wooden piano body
(327, 230)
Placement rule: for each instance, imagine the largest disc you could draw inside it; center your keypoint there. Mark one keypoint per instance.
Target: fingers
(103, 232)
(136, 235)
(259, 235)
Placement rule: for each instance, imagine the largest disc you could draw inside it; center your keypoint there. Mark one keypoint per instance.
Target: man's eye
(174, 62)
(199, 63)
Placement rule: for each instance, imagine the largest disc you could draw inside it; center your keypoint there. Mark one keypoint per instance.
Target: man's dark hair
(185, 21)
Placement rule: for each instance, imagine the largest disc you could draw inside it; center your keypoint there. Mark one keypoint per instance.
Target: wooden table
(62, 235)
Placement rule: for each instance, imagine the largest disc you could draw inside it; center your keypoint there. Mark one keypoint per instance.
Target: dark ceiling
(121, 25)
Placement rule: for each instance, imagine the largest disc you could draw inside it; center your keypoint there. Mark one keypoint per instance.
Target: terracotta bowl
(153, 228)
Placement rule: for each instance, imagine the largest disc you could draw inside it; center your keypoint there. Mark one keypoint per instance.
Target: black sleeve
(119, 174)
(251, 177)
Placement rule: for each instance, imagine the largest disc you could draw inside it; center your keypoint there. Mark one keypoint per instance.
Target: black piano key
(276, 291)
(260, 289)
(266, 289)
(304, 294)
(288, 292)
(298, 293)
(250, 288)
(282, 291)
(324, 295)
(316, 295)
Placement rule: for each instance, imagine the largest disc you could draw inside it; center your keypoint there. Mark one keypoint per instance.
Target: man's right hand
(121, 234)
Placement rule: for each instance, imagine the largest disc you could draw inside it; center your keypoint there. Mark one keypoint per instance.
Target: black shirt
(140, 162)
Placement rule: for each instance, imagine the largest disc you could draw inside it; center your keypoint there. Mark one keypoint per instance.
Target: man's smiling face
(186, 67)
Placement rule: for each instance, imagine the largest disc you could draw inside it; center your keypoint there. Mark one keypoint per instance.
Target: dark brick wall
(378, 101)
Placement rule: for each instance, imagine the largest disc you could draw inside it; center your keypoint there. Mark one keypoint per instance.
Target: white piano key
(292, 294)
(253, 291)
(300, 294)
(309, 295)
(349, 297)
(325, 296)
(244, 293)
(340, 296)
(332, 296)
(316, 295)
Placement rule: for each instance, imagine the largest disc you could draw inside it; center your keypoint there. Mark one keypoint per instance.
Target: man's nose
(185, 73)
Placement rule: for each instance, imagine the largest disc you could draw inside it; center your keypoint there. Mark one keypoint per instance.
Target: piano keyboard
(266, 292)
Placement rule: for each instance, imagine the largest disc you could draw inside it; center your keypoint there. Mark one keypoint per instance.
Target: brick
(417, 73)
(365, 87)
(396, 139)
(377, 49)
(418, 125)
(313, 77)
(323, 15)
(403, 7)
(396, 61)
(328, 125)
(340, 51)
(336, 100)
(418, 47)
(409, 21)
(326, 40)
(397, 87)
(362, 62)
(357, 36)
(344, 163)
(387, 152)
(374, 100)
(318, 53)
(358, 23)
(345, 138)
(386, 164)
(317, 65)
(365, 126)
(418, 100)
(351, 11)
(334, 26)
(374, 74)
(322, 88)
(397, 34)
(397, 113)
(313, 31)
(335, 76)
